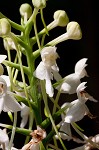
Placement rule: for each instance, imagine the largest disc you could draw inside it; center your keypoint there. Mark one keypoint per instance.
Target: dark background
(86, 13)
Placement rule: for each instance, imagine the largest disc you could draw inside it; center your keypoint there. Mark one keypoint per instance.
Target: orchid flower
(37, 136)
(76, 110)
(71, 82)
(48, 68)
(7, 101)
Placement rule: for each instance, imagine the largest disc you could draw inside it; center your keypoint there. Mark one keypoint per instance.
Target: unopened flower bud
(5, 27)
(25, 9)
(61, 17)
(39, 3)
(74, 31)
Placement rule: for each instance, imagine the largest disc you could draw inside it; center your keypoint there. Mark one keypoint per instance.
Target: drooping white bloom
(7, 101)
(48, 68)
(78, 109)
(2, 58)
(71, 82)
(4, 139)
(37, 136)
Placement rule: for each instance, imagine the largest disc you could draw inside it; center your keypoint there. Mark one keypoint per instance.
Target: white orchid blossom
(71, 82)
(7, 101)
(48, 68)
(78, 108)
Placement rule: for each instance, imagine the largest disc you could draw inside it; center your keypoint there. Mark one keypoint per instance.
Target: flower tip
(61, 17)
(81, 87)
(25, 9)
(74, 30)
(5, 27)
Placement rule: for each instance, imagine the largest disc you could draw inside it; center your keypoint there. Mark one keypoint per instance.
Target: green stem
(13, 24)
(48, 112)
(56, 101)
(17, 66)
(13, 131)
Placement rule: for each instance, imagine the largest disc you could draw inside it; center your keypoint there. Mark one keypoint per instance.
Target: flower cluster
(27, 90)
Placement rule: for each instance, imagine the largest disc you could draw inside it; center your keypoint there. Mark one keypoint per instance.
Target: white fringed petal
(10, 104)
(80, 67)
(1, 104)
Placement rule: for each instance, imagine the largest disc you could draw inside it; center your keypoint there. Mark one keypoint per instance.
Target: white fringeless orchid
(71, 82)
(48, 68)
(7, 101)
(37, 136)
(78, 108)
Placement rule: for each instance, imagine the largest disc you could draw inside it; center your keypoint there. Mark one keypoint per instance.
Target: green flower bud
(25, 9)
(74, 30)
(5, 27)
(61, 17)
(39, 3)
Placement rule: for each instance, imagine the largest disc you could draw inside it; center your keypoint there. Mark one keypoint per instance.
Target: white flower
(48, 68)
(78, 108)
(4, 139)
(2, 58)
(7, 101)
(24, 115)
(71, 81)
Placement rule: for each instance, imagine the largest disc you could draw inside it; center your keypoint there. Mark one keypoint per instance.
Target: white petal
(24, 121)
(76, 112)
(3, 137)
(2, 58)
(11, 104)
(79, 67)
(40, 71)
(66, 131)
(6, 78)
(1, 103)
(81, 87)
(49, 88)
(71, 82)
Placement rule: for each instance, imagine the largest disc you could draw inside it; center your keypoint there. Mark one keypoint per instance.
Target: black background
(86, 13)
